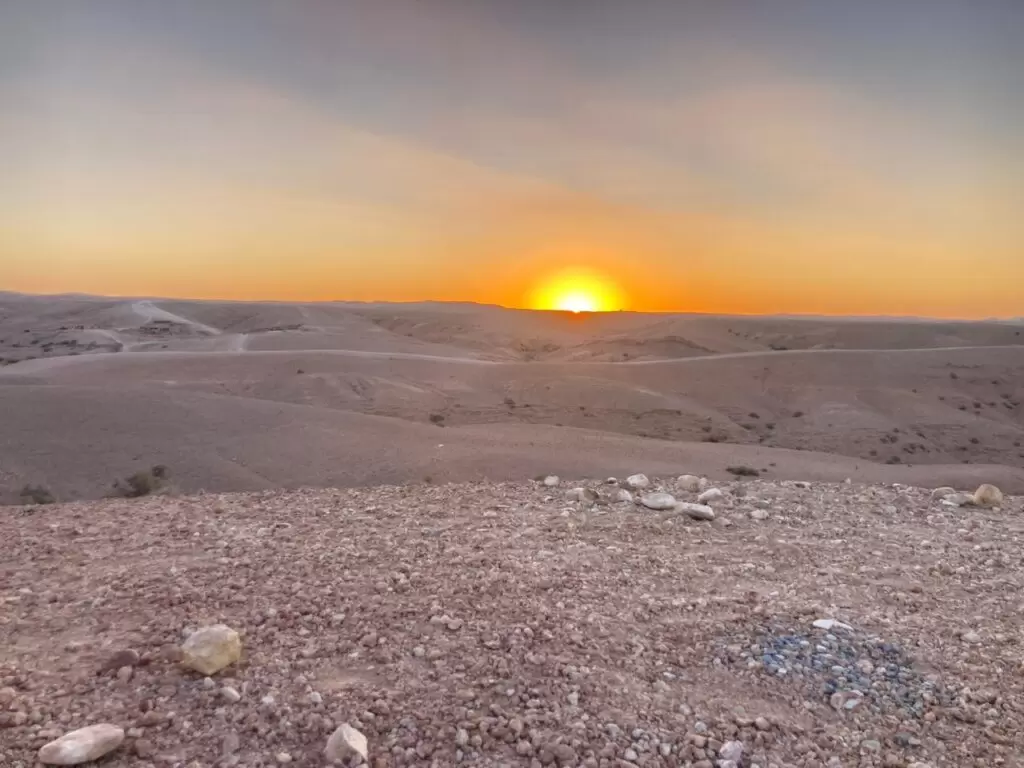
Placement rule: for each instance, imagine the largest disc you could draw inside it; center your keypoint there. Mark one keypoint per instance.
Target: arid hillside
(237, 396)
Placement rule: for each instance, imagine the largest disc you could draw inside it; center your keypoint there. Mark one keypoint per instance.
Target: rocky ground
(522, 625)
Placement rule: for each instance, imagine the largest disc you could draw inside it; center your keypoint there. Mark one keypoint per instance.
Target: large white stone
(988, 496)
(346, 742)
(637, 481)
(696, 511)
(711, 494)
(82, 746)
(658, 500)
(689, 483)
(210, 649)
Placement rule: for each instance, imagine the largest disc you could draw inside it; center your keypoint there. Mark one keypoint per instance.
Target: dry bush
(743, 471)
(142, 483)
(36, 494)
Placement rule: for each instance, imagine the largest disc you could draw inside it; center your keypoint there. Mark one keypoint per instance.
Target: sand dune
(237, 396)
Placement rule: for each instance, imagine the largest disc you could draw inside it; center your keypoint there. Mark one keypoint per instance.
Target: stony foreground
(518, 625)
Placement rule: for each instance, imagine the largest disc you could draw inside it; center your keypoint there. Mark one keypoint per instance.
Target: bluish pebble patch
(825, 663)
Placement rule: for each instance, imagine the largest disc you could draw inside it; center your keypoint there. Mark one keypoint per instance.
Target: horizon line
(781, 315)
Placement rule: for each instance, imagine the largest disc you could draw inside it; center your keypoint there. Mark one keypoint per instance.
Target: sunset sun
(577, 290)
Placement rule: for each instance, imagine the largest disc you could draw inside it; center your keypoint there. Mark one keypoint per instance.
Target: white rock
(696, 511)
(210, 649)
(689, 483)
(987, 496)
(621, 494)
(830, 624)
(230, 695)
(971, 637)
(611, 481)
(346, 742)
(731, 750)
(941, 493)
(583, 495)
(711, 494)
(637, 481)
(82, 746)
(958, 500)
(551, 481)
(658, 500)
(759, 514)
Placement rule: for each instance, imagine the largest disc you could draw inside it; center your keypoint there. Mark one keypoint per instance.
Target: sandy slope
(77, 440)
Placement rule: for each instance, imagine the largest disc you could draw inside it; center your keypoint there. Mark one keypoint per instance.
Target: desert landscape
(252, 396)
(443, 535)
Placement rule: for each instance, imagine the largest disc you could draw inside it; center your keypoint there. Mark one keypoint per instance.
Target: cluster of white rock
(637, 489)
(986, 496)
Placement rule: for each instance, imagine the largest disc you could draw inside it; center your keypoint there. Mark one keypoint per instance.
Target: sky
(795, 156)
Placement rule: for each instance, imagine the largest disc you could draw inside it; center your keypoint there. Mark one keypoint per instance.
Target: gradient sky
(819, 156)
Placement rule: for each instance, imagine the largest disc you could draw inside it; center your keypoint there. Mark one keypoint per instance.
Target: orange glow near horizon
(577, 290)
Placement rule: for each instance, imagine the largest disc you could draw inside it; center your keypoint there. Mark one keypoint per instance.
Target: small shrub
(975, 441)
(36, 494)
(706, 428)
(743, 471)
(510, 402)
(952, 375)
(437, 418)
(754, 415)
(797, 414)
(142, 483)
(300, 371)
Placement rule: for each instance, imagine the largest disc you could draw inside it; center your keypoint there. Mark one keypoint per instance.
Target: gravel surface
(514, 625)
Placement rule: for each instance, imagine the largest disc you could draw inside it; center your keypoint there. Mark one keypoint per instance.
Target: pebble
(696, 511)
(622, 495)
(230, 695)
(710, 495)
(759, 514)
(82, 746)
(987, 496)
(211, 649)
(731, 750)
(689, 483)
(637, 481)
(346, 742)
(829, 624)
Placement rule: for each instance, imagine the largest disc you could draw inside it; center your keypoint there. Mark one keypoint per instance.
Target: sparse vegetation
(437, 418)
(742, 470)
(142, 483)
(797, 414)
(510, 402)
(36, 494)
